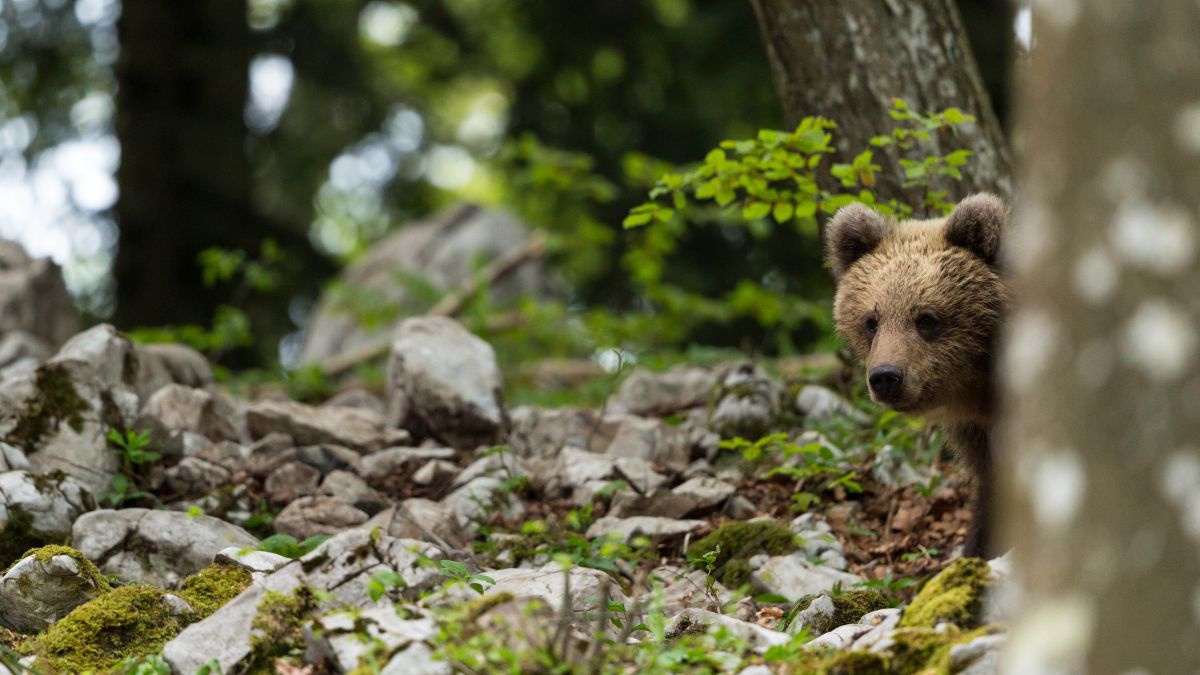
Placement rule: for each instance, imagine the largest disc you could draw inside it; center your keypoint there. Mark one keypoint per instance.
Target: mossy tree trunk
(1102, 371)
(847, 59)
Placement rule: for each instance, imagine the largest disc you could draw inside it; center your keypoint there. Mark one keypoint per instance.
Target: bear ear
(975, 225)
(854, 231)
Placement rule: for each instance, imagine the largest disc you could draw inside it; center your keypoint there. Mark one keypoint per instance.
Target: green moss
(848, 607)
(54, 401)
(209, 589)
(741, 540)
(855, 663)
(954, 596)
(129, 621)
(278, 628)
(87, 568)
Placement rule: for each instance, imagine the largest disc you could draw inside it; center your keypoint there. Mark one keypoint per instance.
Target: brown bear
(920, 302)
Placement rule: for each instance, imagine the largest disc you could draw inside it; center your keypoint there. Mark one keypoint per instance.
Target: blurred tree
(847, 59)
(1102, 354)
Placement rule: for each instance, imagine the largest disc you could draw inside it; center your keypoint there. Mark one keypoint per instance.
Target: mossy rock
(741, 540)
(954, 596)
(855, 663)
(278, 627)
(129, 621)
(55, 401)
(87, 568)
(848, 607)
(19, 536)
(212, 587)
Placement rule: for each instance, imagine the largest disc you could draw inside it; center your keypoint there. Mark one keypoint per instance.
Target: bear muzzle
(887, 384)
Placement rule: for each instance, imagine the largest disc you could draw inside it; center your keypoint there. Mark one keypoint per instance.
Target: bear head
(920, 303)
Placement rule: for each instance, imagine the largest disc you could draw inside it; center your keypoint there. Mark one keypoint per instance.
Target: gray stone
(747, 403)
(444, 382)
(819, 403)
(356, 428)
(639, 473)
(474, 502)
(12, 458)
(35, 594)
(760, 639)
(443, 250)
(192, 476)
(353, 490)
(435, 472)
(980, 656)
(290, 482)
(309, 516)
(261, 562)
(20, 353)
(341, 567)
(33, 297)
(548, 584)
(52, 503)
(792, 576)
(178, 408)
(650, 526)
(814, 618)
(682, 590)
(356, 398)
(337, 638)
(329, 458)
(840, 637)
(422, 519)
(576, 467)
(269, 453)
(392, 460)
(819, 541)
(159, 548)
(705, 493)
(649, 393)
(163, 364)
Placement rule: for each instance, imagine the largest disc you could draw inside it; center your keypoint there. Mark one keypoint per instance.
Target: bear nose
(885, 381)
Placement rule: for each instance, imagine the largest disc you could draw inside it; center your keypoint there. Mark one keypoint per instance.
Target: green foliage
(813, 466)
(459, 573)
(380, 582)
(289, 547)
(152, 664)
(131, 446)
(734, 543)
(212, 587)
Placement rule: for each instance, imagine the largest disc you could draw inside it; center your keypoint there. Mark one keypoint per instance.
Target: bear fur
(921, 303)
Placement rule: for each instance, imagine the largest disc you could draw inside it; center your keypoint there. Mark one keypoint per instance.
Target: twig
(450, 304)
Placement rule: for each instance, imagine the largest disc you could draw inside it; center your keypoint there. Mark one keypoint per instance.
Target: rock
(444, 382)
(704, 493)
(882, 622)
(341, 567)
(639, 473)
(392, 460)
(12, 459)
(45, 586)
(228, 455)
(892, 468)
(651, 440)
(819, 541)
(158, 548)
(747, 403)
(792, 576)
(543, 433)
(163, 364)
(954, 596)
(356, 428)
(356, 398)
(290, 482)
(59, 414)
(819, 403)
(337, 638)
(980, 656)
(33, 297)
(575, 467)
(20, 353)
(660, 394)
(193, 476)
(828, 611)
(654, 528)
(547, 584)
(442, 250)
(178, 408)
(261, 562)
(422, 519)
(497, 464)
(37, 509)
(683, 590)
(435, 472)
(759, 639)
(1001, 600)
(840, 637)
(329, 458)
(474, 502)
(309, 516)
(353, 490)
(269, 453)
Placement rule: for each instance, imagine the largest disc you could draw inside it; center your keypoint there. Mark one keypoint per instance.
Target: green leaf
(636, 220)
(715, 157)
(725, 197)
(783, 211)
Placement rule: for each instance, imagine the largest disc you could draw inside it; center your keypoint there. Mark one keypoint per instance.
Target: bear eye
(928, 324)
(872, 325)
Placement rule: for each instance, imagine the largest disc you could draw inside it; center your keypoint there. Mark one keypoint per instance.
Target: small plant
(381, 582)
(891, 587)
(143, 665)
(707, 561)
(122, 490)
(459, 573)
(131, 447)
(289, 547)
(921, 554)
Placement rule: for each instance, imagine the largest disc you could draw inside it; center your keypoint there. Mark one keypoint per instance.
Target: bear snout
(886, 383)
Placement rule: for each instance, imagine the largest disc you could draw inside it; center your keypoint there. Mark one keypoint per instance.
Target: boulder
(548, 585)
(443, 251)
(649, 526)
(357, 428)
(44, 586)
(37, 509)
(792, 576)
(748, 403)
(33, 296)
(338, 640)
(660, 394)
(20, 353)
(353, 490)
(309, 516)
(163, 364)
(290, 482)
(159, 548)
(444, 382)
(759, 638)
(178, 409)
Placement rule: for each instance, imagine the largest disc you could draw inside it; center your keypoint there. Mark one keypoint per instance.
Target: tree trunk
(1102, 378)
(847, 59)
(185, 179)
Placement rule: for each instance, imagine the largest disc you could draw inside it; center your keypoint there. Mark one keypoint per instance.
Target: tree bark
(847, 59)
(1101, 364)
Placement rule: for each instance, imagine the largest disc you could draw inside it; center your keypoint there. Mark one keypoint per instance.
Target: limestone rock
(356, 428)
(33, 297)
(760, 639)
(747, 403)
(792, 576)
(318, 514)
(659, 394)
(444, 382)
(178, 408)
(353, 490)
(163, 364)
(159, 548)
(45, 504)
(627, 528)
(45, 586)
(290, 482)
